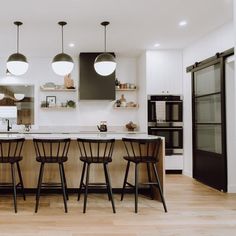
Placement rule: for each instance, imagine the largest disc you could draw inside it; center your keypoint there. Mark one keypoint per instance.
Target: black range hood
(92, 85)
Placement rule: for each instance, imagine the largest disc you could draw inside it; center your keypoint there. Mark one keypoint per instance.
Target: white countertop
(74, 136)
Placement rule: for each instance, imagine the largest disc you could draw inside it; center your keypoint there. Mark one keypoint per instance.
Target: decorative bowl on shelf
(131, 126)
(48, 85)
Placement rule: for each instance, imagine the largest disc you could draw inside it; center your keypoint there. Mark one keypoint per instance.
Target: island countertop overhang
(75, 135)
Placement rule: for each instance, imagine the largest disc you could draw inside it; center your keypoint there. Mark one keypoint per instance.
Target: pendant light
(62, 63)
(105, 63)
(17, 63)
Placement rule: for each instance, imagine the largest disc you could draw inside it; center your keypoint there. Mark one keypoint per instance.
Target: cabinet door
(164, 72)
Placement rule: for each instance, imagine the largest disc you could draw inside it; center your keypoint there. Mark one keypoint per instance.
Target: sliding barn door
(209, 128)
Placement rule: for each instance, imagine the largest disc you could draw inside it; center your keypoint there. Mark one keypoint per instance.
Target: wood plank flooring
(193, 209)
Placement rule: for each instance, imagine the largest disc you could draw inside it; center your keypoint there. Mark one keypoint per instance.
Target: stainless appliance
(165, 118)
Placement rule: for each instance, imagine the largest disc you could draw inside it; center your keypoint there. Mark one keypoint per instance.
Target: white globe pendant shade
(62, 64)
(17, 64)
(105, 64)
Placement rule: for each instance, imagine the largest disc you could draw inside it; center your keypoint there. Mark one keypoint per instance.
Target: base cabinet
(174, 162)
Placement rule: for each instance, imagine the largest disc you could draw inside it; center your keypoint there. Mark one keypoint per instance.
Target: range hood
(92, 85)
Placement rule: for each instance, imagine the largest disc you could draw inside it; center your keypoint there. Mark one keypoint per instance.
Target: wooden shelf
(57, 108)
(126, 89)
(57, 90)
(126, 108)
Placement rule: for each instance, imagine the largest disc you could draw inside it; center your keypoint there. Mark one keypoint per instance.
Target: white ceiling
(136, 25)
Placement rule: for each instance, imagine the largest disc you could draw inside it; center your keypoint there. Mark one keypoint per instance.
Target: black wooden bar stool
(52, 151)
(95, 151)
(10, 153)
(142, 151)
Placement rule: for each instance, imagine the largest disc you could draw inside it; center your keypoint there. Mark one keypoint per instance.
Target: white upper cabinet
(164, 72)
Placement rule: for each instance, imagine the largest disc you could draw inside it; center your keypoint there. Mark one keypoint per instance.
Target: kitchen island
(73, 167)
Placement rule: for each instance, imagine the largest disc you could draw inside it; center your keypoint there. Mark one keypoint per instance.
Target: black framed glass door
(209, 132)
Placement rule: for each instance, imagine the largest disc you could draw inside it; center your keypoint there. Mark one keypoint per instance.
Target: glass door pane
(207, 80)
(209, 138)
(208, 127)
(208, 109)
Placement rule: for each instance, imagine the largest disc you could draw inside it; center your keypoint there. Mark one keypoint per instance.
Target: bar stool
(10, 153)
(52, 151)
(142, 151)
(95, 151)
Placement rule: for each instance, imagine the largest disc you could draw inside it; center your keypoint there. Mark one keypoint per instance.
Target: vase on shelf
(122, 101)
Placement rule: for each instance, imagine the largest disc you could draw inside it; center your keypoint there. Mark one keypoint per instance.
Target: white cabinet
(174, 162)
(164, 72)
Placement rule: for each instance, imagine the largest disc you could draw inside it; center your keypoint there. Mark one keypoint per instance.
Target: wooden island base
(73, 168)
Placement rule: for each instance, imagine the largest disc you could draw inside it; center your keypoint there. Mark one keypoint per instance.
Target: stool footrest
(95, 185)
(7, 185)
(51, 185)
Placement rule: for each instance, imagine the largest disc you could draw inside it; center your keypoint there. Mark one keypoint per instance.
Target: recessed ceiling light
(71, 45)
(183, 23)
(156, 45)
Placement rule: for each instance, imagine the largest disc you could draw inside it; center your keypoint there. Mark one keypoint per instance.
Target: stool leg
(64, 177)
(63, 186)
(14, 185)
(86, 187)
(107, 183)
(109, 187)
(21, 180)
(159, 187)
(39, 186)
(150, 180)
(81, 181)
(136, 187)
(125, 180)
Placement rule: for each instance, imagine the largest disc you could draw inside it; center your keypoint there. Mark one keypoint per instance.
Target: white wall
(216, 41)
(142, 94)
(87, 113)
(231, 74)
(230, 122)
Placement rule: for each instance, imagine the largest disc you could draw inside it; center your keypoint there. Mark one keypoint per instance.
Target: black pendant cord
(105, 38)
(18, 24)
(62, 40)
(62, 24)
(17, 45)
(105, 23)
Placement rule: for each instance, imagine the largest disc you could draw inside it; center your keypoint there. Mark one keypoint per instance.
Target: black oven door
(173, 138)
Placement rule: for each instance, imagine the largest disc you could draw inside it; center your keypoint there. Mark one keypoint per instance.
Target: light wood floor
(193, 209)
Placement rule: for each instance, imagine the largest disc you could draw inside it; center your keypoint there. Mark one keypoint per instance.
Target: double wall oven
(165, 118)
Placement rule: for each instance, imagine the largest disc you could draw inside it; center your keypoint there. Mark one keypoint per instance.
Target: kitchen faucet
(8, 125)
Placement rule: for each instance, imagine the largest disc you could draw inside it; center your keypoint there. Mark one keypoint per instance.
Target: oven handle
(177, 101)
(166, 128)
